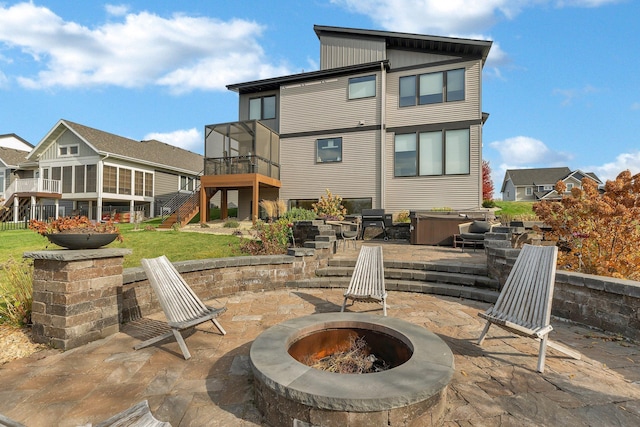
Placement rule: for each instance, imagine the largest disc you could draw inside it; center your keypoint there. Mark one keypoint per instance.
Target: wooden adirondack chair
(139, 415)
(367, 281)
(524, 304)
(180, 304)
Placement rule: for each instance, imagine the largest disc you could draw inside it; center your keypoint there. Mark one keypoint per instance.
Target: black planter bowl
(82, 240)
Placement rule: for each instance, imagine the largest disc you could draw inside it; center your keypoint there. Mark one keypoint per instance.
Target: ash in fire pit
(350, 351)
(413, 389)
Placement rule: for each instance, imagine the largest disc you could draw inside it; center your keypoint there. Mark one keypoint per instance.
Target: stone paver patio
(494, 385)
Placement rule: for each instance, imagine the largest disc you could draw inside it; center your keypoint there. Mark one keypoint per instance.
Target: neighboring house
(76, 169)
(10, 158)
(11, 140)
(391, 120)
(539, 183)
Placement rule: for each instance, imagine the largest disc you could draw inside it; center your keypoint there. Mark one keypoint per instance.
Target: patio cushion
(480, 227)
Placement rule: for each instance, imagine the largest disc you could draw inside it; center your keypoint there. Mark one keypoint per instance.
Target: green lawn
(516, 210)
(176, 245)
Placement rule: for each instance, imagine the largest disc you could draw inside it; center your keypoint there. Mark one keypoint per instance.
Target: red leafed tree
(597, 233)
(487, 183)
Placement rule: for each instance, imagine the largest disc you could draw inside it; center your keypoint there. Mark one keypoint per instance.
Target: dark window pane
(329, 150)
(455, 85)
(431, 88)
(269, 107)
(407, 91)
(405, 155)
(362, 87)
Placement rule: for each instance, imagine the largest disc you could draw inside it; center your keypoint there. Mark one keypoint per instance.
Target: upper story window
(68, 150)
(362, 87)
(432, 88)
(262, 108)
(569, 186)
(329, 150)
(432, 153)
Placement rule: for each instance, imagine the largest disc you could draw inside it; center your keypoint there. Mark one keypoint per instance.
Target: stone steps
(439, 278)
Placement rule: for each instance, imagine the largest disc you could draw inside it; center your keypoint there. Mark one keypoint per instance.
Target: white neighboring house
(76, 169)
(537, 184)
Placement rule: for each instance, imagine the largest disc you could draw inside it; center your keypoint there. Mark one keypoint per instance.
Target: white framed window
(329, 150)
(569, 186)
(362, 87)
(528, 191)
(68, 150)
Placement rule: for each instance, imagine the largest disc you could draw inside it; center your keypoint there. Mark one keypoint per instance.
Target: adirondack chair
(524, 304)
(180, 304)
(367, 281)
(139, 415)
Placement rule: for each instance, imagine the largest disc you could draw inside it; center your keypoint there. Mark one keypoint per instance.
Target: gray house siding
(356, 176)
(67, 138)
(408, 58)
(243, 112)
(338, 52)
(509, 193)
(324, 105)
(425, 193)
(165, 184)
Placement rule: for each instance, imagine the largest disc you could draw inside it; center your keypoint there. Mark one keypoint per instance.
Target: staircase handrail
(179, 199)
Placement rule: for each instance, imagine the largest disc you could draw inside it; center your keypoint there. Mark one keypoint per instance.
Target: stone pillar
(75, 295)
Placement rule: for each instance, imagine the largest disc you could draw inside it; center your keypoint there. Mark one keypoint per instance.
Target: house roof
(275, 82)
(409, 41)
(151, 152)
(12, 157)
(11, 140)
(536, 176)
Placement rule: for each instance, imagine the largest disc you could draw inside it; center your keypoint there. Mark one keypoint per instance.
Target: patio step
(446, 289)
(439, 278)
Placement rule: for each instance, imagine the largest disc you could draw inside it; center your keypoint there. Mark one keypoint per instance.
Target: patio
(493, 385)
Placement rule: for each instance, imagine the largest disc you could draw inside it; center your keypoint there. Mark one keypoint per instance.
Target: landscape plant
(271, 238)
(330, 207)
(16, 292)
(299, 214)
(75, 224)
(597, 233)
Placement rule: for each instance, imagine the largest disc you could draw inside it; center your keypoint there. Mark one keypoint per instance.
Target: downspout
(383, 98)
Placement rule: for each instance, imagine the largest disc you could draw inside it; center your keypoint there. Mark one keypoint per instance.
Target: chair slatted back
(177, 299)
(526, 297)
(367, 280)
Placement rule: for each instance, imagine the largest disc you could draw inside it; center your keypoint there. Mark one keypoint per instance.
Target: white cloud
(622, 162)
(570, 95)
(189, 139)
(434, 16)
(116, 9)
(181, 52)
(524, 150)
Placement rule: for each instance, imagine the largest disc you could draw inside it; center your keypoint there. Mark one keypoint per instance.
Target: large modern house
(537, 184)
(76, 169)
(391, 120)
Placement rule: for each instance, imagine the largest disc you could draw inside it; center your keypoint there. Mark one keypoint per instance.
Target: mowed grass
(176, 245)
(515, 209)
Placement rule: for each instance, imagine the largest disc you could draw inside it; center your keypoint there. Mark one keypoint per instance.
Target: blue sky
(561, 85)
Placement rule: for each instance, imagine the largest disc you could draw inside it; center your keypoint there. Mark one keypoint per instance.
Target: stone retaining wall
(220, 277)
(602, 302)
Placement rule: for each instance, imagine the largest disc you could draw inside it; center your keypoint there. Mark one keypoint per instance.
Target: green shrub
(16, 292)
(232, 223)
(403, 216)
(272, 238)
(299, 214)
(488, 203)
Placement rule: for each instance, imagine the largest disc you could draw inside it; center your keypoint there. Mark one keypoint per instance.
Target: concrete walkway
(494, 385)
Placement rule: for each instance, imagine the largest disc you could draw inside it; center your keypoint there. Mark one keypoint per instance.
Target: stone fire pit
(288, 391)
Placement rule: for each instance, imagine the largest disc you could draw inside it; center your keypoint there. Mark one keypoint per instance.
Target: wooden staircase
(184, 213)
(6, 215)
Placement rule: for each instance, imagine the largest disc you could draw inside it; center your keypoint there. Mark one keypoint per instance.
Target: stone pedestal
(75, 295)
